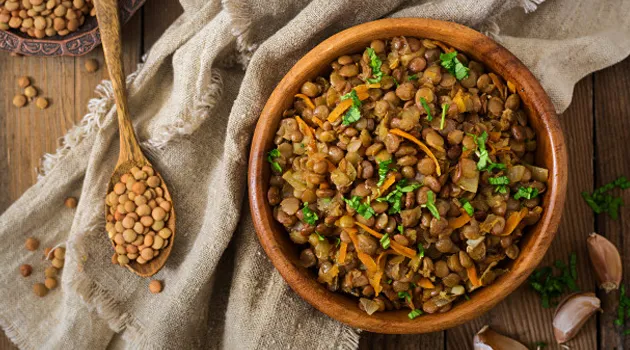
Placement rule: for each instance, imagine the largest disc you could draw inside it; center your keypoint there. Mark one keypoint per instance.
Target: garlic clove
(488, 339)
(606, 262)
(572, 313)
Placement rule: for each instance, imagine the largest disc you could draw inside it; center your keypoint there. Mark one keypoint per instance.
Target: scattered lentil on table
(406, 175)
(31, 244)
(155, 286)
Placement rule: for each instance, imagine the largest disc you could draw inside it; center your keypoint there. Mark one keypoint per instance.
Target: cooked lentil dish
(406, 175)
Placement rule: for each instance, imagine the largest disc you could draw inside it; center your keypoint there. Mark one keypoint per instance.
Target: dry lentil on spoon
(406, 175)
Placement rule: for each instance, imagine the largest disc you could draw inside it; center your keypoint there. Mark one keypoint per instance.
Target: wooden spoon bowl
(551, 154)
(130, 152)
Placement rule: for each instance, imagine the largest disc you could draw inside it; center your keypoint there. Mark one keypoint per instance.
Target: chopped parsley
(394, 198)
(484, 163)
(444, 109)
(383, 168)
(412, 77)
(404, 295)
(354, 113)
(540, 345)
(466, 297)
(467, 206)
(450, 62)
(415, 313)
(310, 217)
(389, 281)
(363, 208)
(396, 82)
(501, 183)
(430, 204)
(271, 156)
(337, 241)
(426, 107)
(385, 241)
(623, 310)
(550, 286)
(401, 229)
(375, 64)
(526, 192)
(420, 250)
(602, 202)
(319, 236)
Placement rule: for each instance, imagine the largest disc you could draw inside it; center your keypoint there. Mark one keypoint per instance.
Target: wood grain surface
(596, 126)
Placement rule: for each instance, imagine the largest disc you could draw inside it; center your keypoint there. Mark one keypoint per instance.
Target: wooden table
(597, 131)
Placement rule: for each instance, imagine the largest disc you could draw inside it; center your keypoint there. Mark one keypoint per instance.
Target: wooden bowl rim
(537, 240)
(76, 44)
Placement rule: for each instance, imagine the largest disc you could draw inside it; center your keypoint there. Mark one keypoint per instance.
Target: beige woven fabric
(195, 102)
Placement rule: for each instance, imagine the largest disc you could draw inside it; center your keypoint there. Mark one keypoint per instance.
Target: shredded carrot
(375, 281)
(459, 221)
(343, 249)
(306, 100)
(513, 220)
(426, 283)
(511, 87)
(498, 84)
(318, 122)
(369, 230)
(394, 64)
(443, 47)
(331, 166)
(472, 276)
(362, 90)
(422, 146)
(494, 136)
(402, 250)
(365, 258)
(309, 132)
(339, 110)
(389, 181)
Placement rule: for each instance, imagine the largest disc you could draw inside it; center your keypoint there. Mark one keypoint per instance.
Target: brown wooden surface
(596, 128)
(551, 154)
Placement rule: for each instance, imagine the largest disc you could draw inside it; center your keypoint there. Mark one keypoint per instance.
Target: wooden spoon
(130, 152)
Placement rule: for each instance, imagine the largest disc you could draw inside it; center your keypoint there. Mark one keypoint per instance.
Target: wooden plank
(433, 341)
(521, 315)
(612, 159)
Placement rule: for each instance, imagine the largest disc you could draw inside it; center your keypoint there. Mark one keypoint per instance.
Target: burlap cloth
(195, 102)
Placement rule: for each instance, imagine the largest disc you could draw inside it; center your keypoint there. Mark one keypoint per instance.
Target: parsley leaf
(450, 62)
(470, 210)
(501, 183)
(385, 241)
(353, 113)
(420, 250)
(444, 109)
(363, 208)
(485, 163)
(383, 168)
(396, 82)
(319, 236)
(310, 217)
(337, 241)
(271, 156)
(540, 345)
(415, 313)
(375, 64)
(602, 202)
(526, 192)
(394, 198)
(466, 297)
(401, 229)
(404, 295)
(412, 77)
(550, 286)
(426, 107)
(430, 204)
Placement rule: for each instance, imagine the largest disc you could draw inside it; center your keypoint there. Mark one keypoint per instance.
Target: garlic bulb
(606, 262)
(572, 313)
(488, 339)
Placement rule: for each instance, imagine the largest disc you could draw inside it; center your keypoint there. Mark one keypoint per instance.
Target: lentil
(31, 244)
(26, 270)
(155, 286)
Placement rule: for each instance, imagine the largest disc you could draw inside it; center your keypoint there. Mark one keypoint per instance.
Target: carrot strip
(389, 181)
(362, 90)
(472, 276)
(442, 46)
(339, 110)
(513, 220)
(318, 122)
(365, 258)
(494, 136)
(498, 83)
(426, 283)
(343, 249)
(369, 230)
(511, 87)
(308, 131)
(422, 146)
(402, 250)
(306, 100)
(375, 281)
(459, 221)
(331, 166)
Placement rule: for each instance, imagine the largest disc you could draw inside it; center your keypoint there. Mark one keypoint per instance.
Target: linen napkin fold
(195, 102)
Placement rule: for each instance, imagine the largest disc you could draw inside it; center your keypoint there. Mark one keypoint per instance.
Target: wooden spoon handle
(107, 15)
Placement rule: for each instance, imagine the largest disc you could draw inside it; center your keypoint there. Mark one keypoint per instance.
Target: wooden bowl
(76, 44)
(551, 153)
